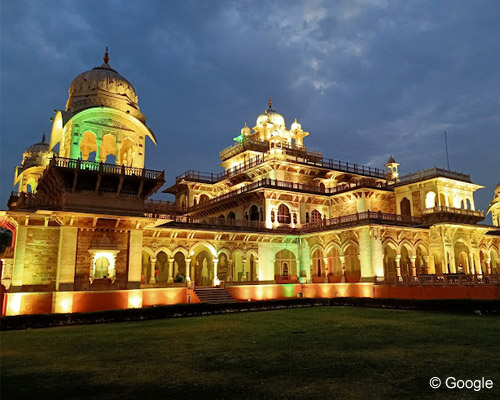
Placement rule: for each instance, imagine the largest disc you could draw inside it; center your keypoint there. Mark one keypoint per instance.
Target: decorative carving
(109, 123)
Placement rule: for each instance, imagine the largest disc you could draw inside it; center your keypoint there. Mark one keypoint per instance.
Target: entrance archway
(352, 264)
(203, 269)
(285, 265)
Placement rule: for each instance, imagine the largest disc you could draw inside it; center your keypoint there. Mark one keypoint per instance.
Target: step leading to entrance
(214, 295)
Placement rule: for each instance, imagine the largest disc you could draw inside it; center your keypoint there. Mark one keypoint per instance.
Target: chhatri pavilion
(280, 220)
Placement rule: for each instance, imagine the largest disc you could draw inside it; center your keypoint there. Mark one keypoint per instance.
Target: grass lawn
(311, 353)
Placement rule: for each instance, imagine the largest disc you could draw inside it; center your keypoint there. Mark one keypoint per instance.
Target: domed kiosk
(494, 208)
(35, 160)
(102, 121)
(99, 163)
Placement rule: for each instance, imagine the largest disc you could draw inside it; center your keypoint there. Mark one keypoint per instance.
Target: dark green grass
(313, 353)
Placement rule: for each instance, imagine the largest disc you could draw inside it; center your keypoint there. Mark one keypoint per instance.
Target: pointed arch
(409, 247)
(199, 245)
(164, 249)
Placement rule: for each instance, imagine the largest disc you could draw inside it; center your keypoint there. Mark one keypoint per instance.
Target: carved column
(342, 261)
(256, 269)
(488, 266)
(229, 270)
(188, 270)
(398, 267)
(243, 262)
(216, 278)
(426, 264)
(413, 266)
(152, 278)
(325, 261)
(170, 270)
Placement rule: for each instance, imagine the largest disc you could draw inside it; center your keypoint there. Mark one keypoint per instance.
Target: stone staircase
(214, 295)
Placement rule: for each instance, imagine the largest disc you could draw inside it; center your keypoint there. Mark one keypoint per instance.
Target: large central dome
(270, 116)
(103, 86)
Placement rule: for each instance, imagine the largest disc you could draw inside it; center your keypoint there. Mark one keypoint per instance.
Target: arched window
(107, 152)
(204, 199)
(430, 200)
(307, 217)
(254, 213)
(315, 216)
(231, 215)
(101, 268)
(317, 263)
(88, 145)
(283, 214)
(405, 207)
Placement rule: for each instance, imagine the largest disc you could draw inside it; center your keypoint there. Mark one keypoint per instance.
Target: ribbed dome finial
(43, 137)
(106, 56)
(270, 103)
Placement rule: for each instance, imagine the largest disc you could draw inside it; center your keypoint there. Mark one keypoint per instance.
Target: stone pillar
(244, 275)
(188, 270)
(229, 270)
(256, 269)
(342, 260)
(170, 270)
(134, 259)
(19, 253)
(398, 267)
(152, 278)
(365, 255)
(477, 262)
(429, 269)
(488, 266)
(66, 258)
(377, 252)
(98, 150)
(325, 261)
(413, 266)
(216, 278)
(275, 211)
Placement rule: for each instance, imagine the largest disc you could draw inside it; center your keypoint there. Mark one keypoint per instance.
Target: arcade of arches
(402, 256)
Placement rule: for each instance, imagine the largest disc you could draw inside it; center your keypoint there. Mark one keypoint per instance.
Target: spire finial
(270, 103)
(43, 137)
(106, 56)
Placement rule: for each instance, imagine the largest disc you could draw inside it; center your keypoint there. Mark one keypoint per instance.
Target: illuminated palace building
(280, 221)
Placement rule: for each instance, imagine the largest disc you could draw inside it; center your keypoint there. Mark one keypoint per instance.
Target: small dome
(37, 155)
(391, 160)
(103, 86)
(246, 130)
(296, 126)
(270, 116)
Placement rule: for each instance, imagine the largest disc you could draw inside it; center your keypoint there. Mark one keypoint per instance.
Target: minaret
(392, 169)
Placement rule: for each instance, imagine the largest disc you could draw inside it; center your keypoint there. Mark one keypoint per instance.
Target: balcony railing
(297, 187)
(362, 218)
(329, 163)
(441, 280)
(81, 165)
(453, 210)
(432, 173)
(157, 207)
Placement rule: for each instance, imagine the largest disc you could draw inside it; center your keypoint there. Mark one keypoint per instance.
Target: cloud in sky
(367, 78)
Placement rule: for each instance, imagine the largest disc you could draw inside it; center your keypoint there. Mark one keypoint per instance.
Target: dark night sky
(367, 78)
